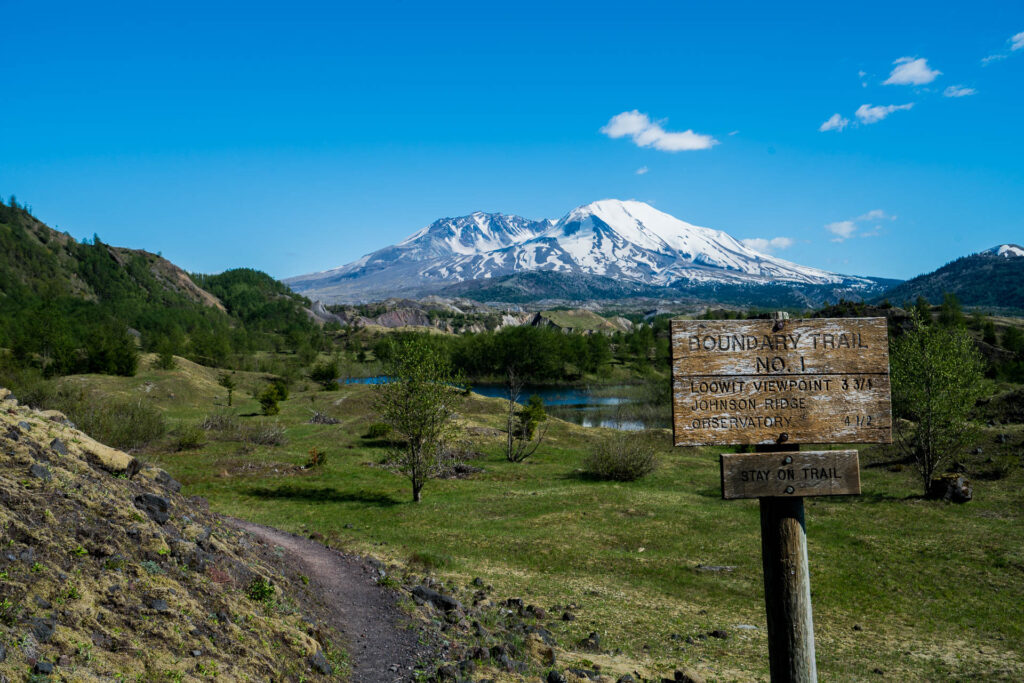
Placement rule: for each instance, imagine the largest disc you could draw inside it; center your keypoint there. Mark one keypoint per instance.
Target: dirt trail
(381, 646)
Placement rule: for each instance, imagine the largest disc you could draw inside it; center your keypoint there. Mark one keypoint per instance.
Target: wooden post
(787, 586)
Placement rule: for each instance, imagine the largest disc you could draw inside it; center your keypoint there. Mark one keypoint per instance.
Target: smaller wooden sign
(788, 475)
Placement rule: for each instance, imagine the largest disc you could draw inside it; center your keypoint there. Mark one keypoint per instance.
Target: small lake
(579, 405)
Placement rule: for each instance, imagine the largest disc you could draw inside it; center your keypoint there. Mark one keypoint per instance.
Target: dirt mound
(106, 570)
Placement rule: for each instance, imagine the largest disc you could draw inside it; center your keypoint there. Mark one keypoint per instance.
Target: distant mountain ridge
(993, 278)
(628, 244)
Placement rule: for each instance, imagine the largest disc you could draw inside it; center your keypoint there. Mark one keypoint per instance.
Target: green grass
(936, 588)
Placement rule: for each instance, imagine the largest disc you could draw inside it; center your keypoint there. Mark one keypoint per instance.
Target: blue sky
(294, 137)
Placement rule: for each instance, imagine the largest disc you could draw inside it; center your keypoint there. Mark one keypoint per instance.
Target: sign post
(776, 384)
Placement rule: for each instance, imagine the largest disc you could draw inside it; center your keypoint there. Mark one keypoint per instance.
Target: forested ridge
(983, 280)
(75, 307)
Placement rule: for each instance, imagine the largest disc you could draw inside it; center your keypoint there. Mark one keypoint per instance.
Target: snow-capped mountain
(1005, 250)
(627, 241)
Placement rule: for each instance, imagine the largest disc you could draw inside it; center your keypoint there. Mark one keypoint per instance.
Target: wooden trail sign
(780, 381)
(776, 384)
(811, 473)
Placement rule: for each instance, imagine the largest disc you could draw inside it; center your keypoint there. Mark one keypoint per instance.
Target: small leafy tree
(936, 380)
(228, 382)
(523, 437)
(924, 310)
(325, 374)
(165, 358)
(276, 391)
(950, 313)
(418, 404)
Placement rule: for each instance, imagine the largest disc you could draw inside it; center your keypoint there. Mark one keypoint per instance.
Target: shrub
(624, 458)
(260, 590)
(325, 374)
(189, 437)
(316, 459)
(220, 422)
(268, 400)
(164, 360)
(118, 423)
(267, 434)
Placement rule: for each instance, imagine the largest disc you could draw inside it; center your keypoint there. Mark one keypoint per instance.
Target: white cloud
(834, 122)
(875, 215)
(992, 58)
(733, 132)
(768, 246)
(958, 91)
(1017, 42)
(842, 230)
(874, 232)
(868, 113)
(910, 71)
(641, 171)
(647, 133)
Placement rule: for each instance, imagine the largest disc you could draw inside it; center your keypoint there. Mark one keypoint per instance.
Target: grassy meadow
(903, 588)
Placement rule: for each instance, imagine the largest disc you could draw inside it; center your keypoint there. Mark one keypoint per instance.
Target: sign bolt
(790, 489)
(788, 460)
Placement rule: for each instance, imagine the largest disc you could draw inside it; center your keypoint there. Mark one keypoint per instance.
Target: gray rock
(25, 425)
(44, 668)
(951, 487)
(687, 676)
(159, 605)
(3, 653)
(447, 672)
(59, 447)
(154, 506)
(715, 568)
(537, 612)
(40, 472)
(168, 482)
(197, 653)
(439, 600)
(545, 635)
(719, 633)
(42, 628)
(592, 642)
(320, 663)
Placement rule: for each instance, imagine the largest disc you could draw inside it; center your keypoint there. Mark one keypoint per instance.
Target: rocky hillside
(108, 573)
(44, 261)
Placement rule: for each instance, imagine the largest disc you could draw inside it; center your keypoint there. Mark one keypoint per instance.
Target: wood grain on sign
(780, 381)
(785, 475)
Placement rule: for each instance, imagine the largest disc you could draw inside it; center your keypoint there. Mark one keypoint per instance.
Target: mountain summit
(1005, 250)
(622, 241)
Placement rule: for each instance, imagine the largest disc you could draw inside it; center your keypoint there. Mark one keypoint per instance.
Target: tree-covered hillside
(979, 280)
(72, 307)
